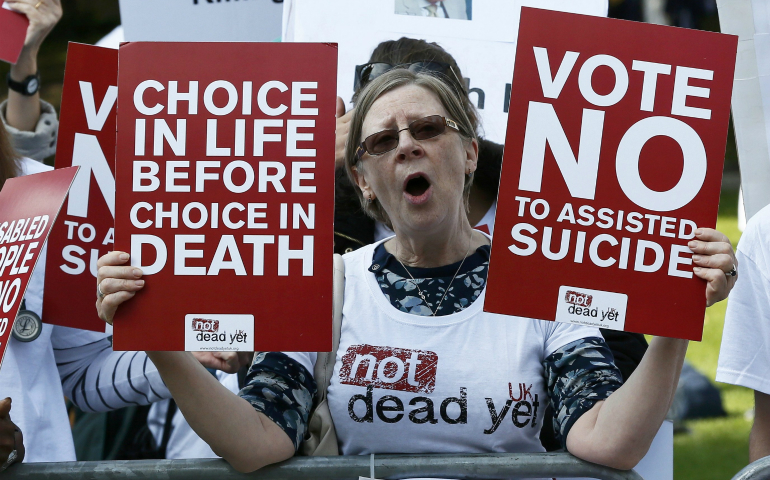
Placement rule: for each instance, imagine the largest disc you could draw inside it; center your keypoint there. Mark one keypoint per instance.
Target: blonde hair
(452, 103)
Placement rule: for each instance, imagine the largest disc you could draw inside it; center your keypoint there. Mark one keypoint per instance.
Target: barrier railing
(759, 470)
(479, 466)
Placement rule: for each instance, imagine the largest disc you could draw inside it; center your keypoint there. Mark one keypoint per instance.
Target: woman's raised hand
(115, 283)
(715, 262)
(343, 128)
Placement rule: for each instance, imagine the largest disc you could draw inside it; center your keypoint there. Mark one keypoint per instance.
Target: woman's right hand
(116, 283)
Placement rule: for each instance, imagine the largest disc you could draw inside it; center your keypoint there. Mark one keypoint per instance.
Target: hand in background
(11, 437)
(229, 362)
(24, 111)
(343, 128)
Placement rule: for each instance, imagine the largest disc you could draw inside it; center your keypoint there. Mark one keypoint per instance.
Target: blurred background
(704, 449)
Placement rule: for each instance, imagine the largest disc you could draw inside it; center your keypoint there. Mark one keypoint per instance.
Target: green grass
(716, 448)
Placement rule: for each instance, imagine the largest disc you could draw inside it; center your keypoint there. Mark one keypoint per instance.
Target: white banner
(750, 20)
(480, 35)
(201, 20)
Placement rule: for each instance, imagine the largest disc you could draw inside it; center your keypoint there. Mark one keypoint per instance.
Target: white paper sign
(201, 20)
(594, 308)
(483, 46)
(750, 20)
(219, 332)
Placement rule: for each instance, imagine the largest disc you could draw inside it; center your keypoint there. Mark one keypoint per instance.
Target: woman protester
(353, 228)
(420, 367)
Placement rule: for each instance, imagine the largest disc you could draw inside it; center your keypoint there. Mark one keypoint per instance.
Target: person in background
(744, 357)
(456, 9)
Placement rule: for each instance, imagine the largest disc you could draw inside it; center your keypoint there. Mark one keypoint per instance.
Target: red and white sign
(13, 31)
(28, 207)
(613, 158)
(225, 194)
(84, 231)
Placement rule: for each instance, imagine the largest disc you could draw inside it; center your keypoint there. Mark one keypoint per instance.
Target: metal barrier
(759, 470)
(479, 466)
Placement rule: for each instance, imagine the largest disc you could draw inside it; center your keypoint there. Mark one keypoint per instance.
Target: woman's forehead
(400, 106)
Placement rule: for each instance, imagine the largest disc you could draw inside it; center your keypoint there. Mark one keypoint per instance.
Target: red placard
(614, 152)
(13, 31)
(28, 207)
(84, 231)
(225, 195)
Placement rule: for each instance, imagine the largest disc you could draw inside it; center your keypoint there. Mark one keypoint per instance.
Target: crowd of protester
(416, 190)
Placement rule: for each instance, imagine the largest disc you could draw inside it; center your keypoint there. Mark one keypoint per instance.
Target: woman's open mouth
(417, 188)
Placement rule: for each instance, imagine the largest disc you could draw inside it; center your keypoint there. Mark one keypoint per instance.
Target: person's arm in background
(31, 122)
(759, 441)
(97, 379)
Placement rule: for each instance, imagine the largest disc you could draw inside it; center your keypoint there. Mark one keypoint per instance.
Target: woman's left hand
(714, 261)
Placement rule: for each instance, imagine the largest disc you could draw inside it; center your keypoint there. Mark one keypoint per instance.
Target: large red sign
(84, 231)
(225, 194)
(13, 31)
(613, 157)
(28, 207)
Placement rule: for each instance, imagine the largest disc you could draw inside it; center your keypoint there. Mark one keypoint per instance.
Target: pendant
(27, 326)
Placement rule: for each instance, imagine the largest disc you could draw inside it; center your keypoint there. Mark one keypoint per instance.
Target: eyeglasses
(420, 129)
(369, 71)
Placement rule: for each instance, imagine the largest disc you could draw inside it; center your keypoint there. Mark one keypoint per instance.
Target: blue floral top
(578, 374)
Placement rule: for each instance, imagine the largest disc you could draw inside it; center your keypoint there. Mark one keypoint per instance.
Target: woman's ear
(360, 176)
(471, 155)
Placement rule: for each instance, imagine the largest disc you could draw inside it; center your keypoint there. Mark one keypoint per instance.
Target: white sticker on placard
(594, 308)
(218, 332)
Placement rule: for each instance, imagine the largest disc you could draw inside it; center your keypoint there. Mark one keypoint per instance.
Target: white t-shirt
(29, 376)
(744, 358)
(470, 382)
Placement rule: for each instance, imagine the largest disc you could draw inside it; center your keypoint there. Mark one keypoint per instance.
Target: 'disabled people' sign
(613, 157)
(225, 195)
(28, 208)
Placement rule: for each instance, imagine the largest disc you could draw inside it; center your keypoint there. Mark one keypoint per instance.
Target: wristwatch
(29, 86)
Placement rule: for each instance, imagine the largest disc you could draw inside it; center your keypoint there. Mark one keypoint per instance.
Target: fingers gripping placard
(225, 179)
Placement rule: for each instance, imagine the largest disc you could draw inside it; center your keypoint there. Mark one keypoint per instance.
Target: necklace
(419, 290)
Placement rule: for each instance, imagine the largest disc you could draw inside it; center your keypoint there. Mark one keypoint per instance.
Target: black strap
(167, 428)
(446, 14)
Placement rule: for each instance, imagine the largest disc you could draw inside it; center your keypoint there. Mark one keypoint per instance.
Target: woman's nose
(408, 147)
